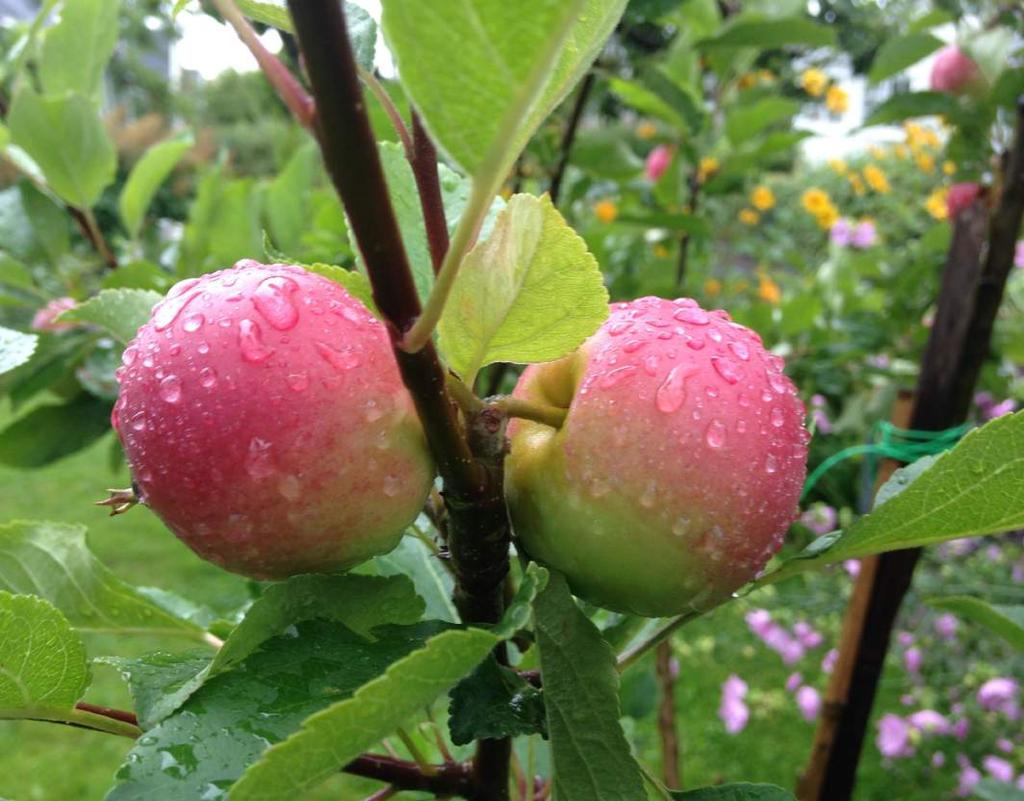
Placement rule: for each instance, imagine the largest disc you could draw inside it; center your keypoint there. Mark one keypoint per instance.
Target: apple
(956, 73)
(679, 465)
(657, 161)
(961, 196)
(265, 422)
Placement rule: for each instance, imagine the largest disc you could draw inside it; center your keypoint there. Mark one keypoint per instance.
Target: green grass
(40, 762)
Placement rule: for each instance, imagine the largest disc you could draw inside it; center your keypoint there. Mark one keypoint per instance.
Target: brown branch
(972, 290)
(684, 240)
(667, 715)
(424, 168)
(450, 778)
(107, 712)
(478, 531)
(569, 136)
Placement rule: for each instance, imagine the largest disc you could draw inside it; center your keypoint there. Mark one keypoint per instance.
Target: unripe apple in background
(961, 196)
(956, 73)
(265, 422)
(679, 466)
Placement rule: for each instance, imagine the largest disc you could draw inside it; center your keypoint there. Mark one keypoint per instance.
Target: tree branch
(569, 136)
(667, 715)
(424, 167)
(469, 463)
(451, 778)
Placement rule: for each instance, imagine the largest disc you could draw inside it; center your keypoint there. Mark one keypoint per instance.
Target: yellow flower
(838, 165)
(749, 217)
(606, 211)
(708, 166)
(815, 200)
(925, 162)
(901, 151)
(949, 167)
(747, 79)
(936, 204)
(915, 133)
(876, 179)
(767, 289)
(712, 287)
(857, 184)
(877, 152)
(837, 100)
(646, 129)
(762, 198)
(814, 82)
(766, 76)
(661, 252)
(828, 217)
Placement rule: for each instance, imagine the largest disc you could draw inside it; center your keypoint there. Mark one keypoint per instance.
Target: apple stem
(478, 528)
(537, 412)
(631, 655)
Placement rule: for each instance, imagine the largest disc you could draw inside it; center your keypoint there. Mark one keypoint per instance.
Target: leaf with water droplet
(117, 311)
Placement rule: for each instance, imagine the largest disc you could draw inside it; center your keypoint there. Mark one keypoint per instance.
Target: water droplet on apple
(258, 462)
(672, 392)
(138, 421)
(392, 485)
(170, 389)
(771, 464)
(289, 487)
(129, 356)
(167, 311)
(272, 299)
(776, 381)
(338, 358)
(616, 376)
(694, 316)
(777, 417)
(192, 323)
(250, 342)
(298, 382)
(634, 345)
(208, 377)
(726, 368)
(714, 435)
(681, 526)
(741, 351)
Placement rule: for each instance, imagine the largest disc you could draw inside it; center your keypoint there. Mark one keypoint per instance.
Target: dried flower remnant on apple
(677, 471)
(265, 422)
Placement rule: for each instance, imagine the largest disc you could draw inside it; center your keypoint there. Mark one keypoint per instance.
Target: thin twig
(667, 714)
(569, 136)
(631, 655)
(428, 183)
(394, 116)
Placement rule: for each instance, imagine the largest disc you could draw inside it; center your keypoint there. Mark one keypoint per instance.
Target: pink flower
(938, 759)
(905, 638)
(960, 197)
(852, 567)
(1018, 255)
(44, 318)
(1004, 745)
(809, 701)
(912, 660)
(928, 721)
(733, 711)
(954, 72)
(819, 415)
(864, 235)
(820, 518)
(792, 651)
(998, 768)
(794, 681)
(809, 638)
(1000, 695)
(893, 737)
(658, 160)
(969, 778)
(946, 626)
(841, 232)
(759, 621)
(960, 729)
(828, 663)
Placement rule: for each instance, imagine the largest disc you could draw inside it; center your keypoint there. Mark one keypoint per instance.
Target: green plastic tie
(891, 442)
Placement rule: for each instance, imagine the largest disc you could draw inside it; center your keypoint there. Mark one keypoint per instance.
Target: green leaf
(159, 682)
(484, 75)
(974, 489)
(203, 748)
(118, 311)
(16, 348)
(530, 293)
(51, 560)
(740, 791)
(493, 702)
(743, 122)
(43, 668)
(145, 178)
(932, 19)
(1006, 621)
(647, 101)
(269, 12)
(14, 273)
(223, 224)
(592, 760)
(897, 54)
(605, 153)
(991, 49)
(689, 223)
(769, 33)
(330, 739)
(76, 50)
(138, 274)
(994, 790)
(77, 167)
(357, 284)
(51, 432)
(433, 582)
(54, 358)
(286, 204)
(32, 227)
(911, 104)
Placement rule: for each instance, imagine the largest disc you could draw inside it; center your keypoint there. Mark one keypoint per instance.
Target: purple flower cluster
(847, 234)
(819, 414)
(793, 645)
(733, 710)
(820, 518)
(988, 409)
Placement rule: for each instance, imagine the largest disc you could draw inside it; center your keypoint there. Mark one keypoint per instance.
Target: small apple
(961, 196)
(265, 422)
(679, 466)
(956, 73)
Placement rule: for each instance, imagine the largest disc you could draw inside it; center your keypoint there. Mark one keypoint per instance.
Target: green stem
(553, 416)
(486, 183)
(631, 655)
(76, 717)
